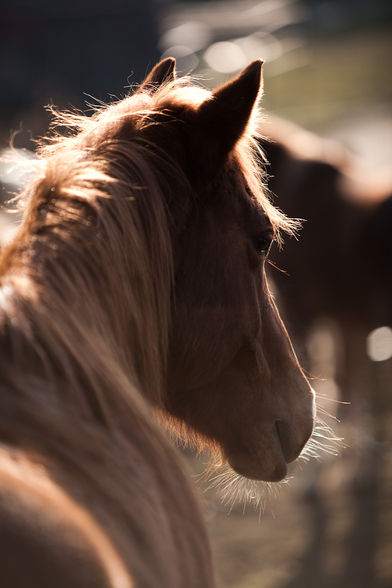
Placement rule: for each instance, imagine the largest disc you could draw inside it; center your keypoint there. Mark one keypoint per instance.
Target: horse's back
(71, 524)
(44, 538)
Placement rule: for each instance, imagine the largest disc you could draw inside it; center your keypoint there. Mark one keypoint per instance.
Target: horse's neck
(79, 308)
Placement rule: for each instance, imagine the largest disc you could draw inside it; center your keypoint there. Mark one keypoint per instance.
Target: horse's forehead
(252, 204)
(255, 215)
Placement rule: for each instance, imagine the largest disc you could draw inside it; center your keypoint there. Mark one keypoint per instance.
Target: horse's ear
(164, 71)
(223, 117)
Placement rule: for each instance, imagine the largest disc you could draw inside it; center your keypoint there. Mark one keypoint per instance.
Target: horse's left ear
(224, 116)
(164, 71)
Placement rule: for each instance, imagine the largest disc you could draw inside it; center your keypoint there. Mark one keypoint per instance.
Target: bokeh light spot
(225, 57)
(379, 344)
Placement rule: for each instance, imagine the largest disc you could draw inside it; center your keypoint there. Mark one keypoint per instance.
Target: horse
(343, 275)
(134, 293)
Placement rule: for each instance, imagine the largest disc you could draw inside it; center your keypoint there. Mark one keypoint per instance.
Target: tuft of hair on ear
(163, 72)
(224, 116)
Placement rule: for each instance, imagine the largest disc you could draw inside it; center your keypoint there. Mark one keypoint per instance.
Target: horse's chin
(266, 470)
(276, 474)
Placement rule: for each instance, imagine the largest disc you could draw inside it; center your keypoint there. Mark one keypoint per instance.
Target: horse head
(232, 377)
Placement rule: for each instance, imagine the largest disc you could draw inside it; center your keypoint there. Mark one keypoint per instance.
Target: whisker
(235, 490)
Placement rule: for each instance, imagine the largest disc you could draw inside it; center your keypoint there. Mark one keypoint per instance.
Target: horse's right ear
(222, 118)
(164, 71)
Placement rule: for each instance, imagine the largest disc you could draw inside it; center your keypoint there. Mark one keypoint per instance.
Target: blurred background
(327, 103)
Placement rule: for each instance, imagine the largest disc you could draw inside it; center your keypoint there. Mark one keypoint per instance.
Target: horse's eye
(262, 243)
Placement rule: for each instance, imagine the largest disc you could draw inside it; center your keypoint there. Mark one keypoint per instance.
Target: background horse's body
(345, 248)
(119, 296)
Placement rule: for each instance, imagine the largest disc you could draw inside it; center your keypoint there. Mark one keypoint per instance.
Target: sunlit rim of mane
(72, 131)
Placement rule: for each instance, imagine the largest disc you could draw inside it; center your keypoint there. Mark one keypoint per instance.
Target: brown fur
(133, 285)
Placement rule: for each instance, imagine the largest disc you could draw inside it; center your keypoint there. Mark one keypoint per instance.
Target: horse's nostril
(280, 433)
(290, 448)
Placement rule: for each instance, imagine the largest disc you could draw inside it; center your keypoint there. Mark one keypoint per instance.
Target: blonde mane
(81, 351)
